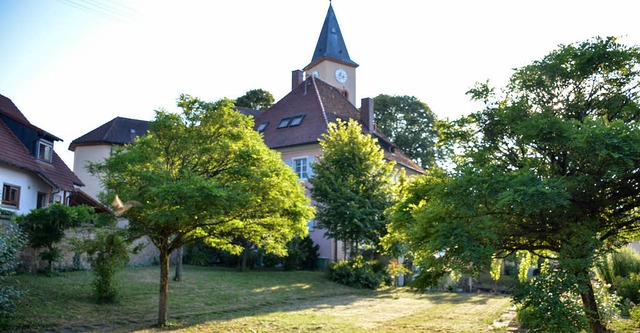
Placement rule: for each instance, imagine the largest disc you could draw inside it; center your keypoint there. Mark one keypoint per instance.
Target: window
(300, 167)
(42, 200)
(312, 225)
(45, 151)
(11, 195)
(262, 127)
(295, 121)
(284, 123)
(291, 121)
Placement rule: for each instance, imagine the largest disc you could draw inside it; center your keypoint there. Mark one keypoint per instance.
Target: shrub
(11, 242)
(635, 315)
(628, 287)
(622, 270)
(107, 254)
(561, 309)
(359, 273)
(301, 254)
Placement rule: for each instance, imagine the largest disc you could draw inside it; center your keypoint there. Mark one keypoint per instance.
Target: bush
(11, 243)
(107, 254)
(635, 315)
(622, 270)
(301, 254)
(561, 309)
(628, 287)
(359, 273)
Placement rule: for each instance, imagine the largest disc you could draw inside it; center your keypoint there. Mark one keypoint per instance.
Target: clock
(341, 75)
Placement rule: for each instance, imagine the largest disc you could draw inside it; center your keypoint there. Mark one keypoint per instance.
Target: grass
(222, 300)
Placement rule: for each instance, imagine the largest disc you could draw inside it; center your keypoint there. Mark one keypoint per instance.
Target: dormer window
(262, 127)
(45, 151)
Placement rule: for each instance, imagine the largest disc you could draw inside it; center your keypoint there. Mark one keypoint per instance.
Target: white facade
(84, 154)
(29, 185)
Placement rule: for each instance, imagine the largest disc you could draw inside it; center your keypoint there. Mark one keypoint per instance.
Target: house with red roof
(323, 92)
(31, 172)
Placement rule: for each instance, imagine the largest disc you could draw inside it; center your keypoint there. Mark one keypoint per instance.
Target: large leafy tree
(550, 167)
(410, 124)
(351, 185)
(258, 99)
(205, 174)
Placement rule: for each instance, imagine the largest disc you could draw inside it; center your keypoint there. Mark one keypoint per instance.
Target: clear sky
(72, 65)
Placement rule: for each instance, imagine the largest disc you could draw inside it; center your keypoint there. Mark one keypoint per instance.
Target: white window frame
(48, 147)
(301, 170)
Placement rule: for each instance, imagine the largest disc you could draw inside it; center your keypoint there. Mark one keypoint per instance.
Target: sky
(73, 65)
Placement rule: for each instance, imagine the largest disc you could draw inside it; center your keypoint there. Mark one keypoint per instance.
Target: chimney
(297, 77)
(366, 113)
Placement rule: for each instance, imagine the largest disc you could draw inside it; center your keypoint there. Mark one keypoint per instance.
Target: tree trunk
(164, 286)
(591, 308)
(244, 257)
(178, 276)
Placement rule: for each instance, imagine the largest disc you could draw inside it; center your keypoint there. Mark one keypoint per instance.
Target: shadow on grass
(206, 295)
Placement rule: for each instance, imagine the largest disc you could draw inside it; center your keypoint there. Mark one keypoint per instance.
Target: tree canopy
(351, 185)
(410, 124)
(258, 99)
(205, 174)
(551, 166)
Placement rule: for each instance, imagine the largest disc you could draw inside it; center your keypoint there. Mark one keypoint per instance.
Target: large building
(324, 91)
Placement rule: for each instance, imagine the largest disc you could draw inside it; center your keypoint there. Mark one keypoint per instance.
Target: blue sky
(72, 65)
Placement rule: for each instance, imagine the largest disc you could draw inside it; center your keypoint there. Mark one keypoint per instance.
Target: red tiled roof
(321, 104)
(14, 153)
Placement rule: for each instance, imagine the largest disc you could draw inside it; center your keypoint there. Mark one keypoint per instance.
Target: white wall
(29, 184)
(81, 156)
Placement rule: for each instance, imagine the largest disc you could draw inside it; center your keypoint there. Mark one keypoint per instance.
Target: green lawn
(222, 300)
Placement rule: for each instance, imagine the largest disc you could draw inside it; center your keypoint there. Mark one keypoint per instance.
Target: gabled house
(31, 172)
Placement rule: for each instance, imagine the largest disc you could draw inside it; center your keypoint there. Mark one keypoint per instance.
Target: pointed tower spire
(330, 43)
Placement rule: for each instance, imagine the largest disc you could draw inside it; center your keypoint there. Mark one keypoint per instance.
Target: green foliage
(302, 253)
(550, 166)
(359, 273)
(45, 227)
(621, 268)
(352, 186)
(205, 174)
(410, 124)
(107, 253)
(11, 243)
(258, 99)
(562, 309)
(635, 315)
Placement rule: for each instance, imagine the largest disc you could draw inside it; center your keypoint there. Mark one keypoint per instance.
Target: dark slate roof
(248, 111)
(321, 104)
(10, 110)
(118, 130)
(330, 44)
(15, 154)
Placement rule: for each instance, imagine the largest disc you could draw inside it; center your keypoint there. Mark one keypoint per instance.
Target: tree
(551, 167)
(351, 185)
(256, 99)
(45, 227)
(205, 174)
(410, 124)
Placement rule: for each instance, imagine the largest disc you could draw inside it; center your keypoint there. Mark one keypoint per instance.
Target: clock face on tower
(341, 75)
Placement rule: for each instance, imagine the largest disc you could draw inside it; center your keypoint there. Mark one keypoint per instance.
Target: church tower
(331, 62)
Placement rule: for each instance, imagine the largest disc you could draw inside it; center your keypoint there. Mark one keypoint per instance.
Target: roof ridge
(315, 87)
